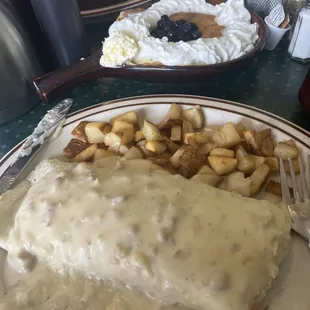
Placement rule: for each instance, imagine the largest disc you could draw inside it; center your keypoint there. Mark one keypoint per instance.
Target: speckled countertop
(270, 82)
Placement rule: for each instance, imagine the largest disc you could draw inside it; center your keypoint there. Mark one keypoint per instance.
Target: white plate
(290, 290)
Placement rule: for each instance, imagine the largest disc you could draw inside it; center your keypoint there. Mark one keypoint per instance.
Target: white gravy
(177, 240)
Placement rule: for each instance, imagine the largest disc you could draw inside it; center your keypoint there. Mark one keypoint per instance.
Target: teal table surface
(270, 82)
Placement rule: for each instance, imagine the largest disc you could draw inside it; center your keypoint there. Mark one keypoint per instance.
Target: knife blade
(46, 127)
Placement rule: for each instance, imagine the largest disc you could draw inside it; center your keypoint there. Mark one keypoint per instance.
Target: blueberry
(187, 37)
(160, 24)
(187, 27)
(171, 36)
(196, 34)
(154, 33)
(193, 26)
(161, 33)
(165, 18)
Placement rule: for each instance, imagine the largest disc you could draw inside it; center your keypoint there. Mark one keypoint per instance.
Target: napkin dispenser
(18, 64)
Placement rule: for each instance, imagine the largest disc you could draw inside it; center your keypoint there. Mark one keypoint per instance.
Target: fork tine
(303, 179)
(294, 182)
(284, 186)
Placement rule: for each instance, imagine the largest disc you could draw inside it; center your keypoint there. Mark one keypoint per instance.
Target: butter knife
(46, 127)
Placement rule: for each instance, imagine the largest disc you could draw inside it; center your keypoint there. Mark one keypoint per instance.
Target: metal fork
(299, 204)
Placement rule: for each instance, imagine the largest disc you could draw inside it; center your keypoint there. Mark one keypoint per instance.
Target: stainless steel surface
(18, 64)
(34, 142)
(263, 7)
(299, 204)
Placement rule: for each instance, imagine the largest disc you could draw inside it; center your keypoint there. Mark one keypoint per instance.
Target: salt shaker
(299, 48)
(62, 24)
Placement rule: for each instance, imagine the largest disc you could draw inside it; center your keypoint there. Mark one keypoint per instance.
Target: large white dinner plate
(291, 289)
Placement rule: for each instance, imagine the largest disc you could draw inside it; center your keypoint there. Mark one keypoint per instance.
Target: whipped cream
(239, 36)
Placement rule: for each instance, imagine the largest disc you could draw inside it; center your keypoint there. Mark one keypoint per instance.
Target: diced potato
(190, 162)
(285, 151)
(167, 123)
(241, 128)
(258, 160)
(113, 138)
(258, 178)
(207, 176)
(95, 131)
(128, 117)
(227, 136)
(273, 163)
(134, 153)
(156, 146)
(206, 148)
(246, 146)
(197, 137)
(246, 163)
(151, 132)
(295, 163)
(127, 136)
(187, 128)
(74, 147)
(175, 112)
(261, 142)
(222, 165)
(121, 126)
(236, 182)
(290, 142)
(139, 136)
(176, 133)
(104, 153)
(173, 147)
(79, 131)
(175, 158)
(222, 152)
(86, 155)
(194, 116)
(274, 187)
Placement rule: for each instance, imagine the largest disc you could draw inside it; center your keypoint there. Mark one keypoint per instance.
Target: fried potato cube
(99, 153)
(173, 147)
(222, 152)
(113, 138)
(128, 117)
(86, 155)
(175, 158)
(284, 150)
(274, 187)
(176, 133)
(187, 128)
(246, 163)
(74, 147)
(141, 144)
(227, 136)
(156, 146)
(139, 136)
(197, 137)
(121, 126)
(258, 160)
(206, 148)
(133, 153)
(222, 165)
(295, 163)
(258, 178)
(194, 116)
(273, 163)
(207, 176)
(190, 162)
(173, 117)
(151, 132)
(236, 182)
(241, 128)
(261, 142)
(79, 131)
(95, 131)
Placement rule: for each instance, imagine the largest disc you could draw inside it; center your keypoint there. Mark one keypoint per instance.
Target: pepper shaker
(62, 24)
